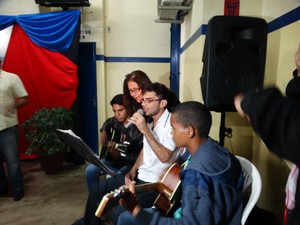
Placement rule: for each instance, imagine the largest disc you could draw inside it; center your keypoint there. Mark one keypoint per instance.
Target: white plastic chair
(252, 177)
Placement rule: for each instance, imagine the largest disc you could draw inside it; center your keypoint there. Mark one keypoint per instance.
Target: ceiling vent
(172, 11)
(63, 3)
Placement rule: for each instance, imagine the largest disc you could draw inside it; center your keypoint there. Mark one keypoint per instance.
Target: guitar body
(168, 187)
(170, 191)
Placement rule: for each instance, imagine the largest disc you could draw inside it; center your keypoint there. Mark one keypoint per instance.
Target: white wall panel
(18, 7)
(132, 32)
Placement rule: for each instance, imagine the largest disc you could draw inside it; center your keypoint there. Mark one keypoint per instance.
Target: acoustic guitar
(167, 200)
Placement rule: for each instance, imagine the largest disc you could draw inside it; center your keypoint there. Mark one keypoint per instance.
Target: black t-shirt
(116, 132)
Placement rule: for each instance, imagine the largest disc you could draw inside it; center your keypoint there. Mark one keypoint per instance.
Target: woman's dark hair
(142, 80)
(194, 114)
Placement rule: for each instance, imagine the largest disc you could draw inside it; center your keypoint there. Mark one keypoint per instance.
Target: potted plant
(40, 131)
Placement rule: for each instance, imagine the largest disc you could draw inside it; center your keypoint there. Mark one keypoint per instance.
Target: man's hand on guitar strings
(128, 201)
(112, 152)
(129, 177)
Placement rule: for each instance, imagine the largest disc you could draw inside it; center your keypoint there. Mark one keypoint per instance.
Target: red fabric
(49, 77)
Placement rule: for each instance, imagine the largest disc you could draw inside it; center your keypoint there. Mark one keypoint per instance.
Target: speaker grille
(233, 59)
(222, 49)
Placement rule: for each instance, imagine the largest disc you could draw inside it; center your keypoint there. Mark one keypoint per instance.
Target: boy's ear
(191, 131)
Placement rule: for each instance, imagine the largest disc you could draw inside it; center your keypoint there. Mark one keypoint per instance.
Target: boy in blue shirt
(211, 182)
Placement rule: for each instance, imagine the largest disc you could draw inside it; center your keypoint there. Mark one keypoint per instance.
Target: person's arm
(129, 202)
(103, 137)
(276, 119)
(20, 102)
(237, 102)
(132, 173)
(162, 153)
(20, 93)
(135, 139)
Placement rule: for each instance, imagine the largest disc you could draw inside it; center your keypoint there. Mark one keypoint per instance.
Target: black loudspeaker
(233, 59)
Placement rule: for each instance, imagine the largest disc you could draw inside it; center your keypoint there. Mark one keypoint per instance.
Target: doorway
(87, 95)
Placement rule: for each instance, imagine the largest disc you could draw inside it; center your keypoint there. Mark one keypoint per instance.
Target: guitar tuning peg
(118, 192)
(123, 188)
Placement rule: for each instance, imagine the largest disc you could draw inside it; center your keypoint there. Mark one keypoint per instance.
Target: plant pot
(53, 163)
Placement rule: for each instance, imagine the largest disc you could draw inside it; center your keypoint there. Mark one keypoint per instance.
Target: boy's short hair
(194, 114)
(118, 99)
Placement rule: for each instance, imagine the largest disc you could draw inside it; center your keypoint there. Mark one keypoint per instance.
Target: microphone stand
(224, 131)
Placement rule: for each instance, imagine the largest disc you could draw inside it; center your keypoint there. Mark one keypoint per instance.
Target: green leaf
(40, 130)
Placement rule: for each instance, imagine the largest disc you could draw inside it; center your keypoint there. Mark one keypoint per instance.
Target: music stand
(83, 150)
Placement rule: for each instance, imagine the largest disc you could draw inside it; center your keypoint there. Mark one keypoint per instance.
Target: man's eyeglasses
(148, 101)
(135, 90)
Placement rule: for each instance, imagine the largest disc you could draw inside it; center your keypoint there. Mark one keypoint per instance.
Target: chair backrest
(252, 177)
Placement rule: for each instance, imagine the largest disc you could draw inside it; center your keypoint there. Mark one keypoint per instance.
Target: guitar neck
(113, 195)
(146, 187)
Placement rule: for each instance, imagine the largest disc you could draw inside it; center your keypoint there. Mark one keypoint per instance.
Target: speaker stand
(224, 131)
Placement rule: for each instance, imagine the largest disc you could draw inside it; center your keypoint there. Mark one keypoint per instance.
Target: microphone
(140, 111)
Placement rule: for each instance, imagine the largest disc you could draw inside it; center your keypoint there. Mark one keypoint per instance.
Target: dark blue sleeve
(276, 119)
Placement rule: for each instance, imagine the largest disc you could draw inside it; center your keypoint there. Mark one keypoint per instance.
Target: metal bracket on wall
(172, 11)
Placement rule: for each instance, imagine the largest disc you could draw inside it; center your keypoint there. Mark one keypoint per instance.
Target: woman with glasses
(133, 87)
